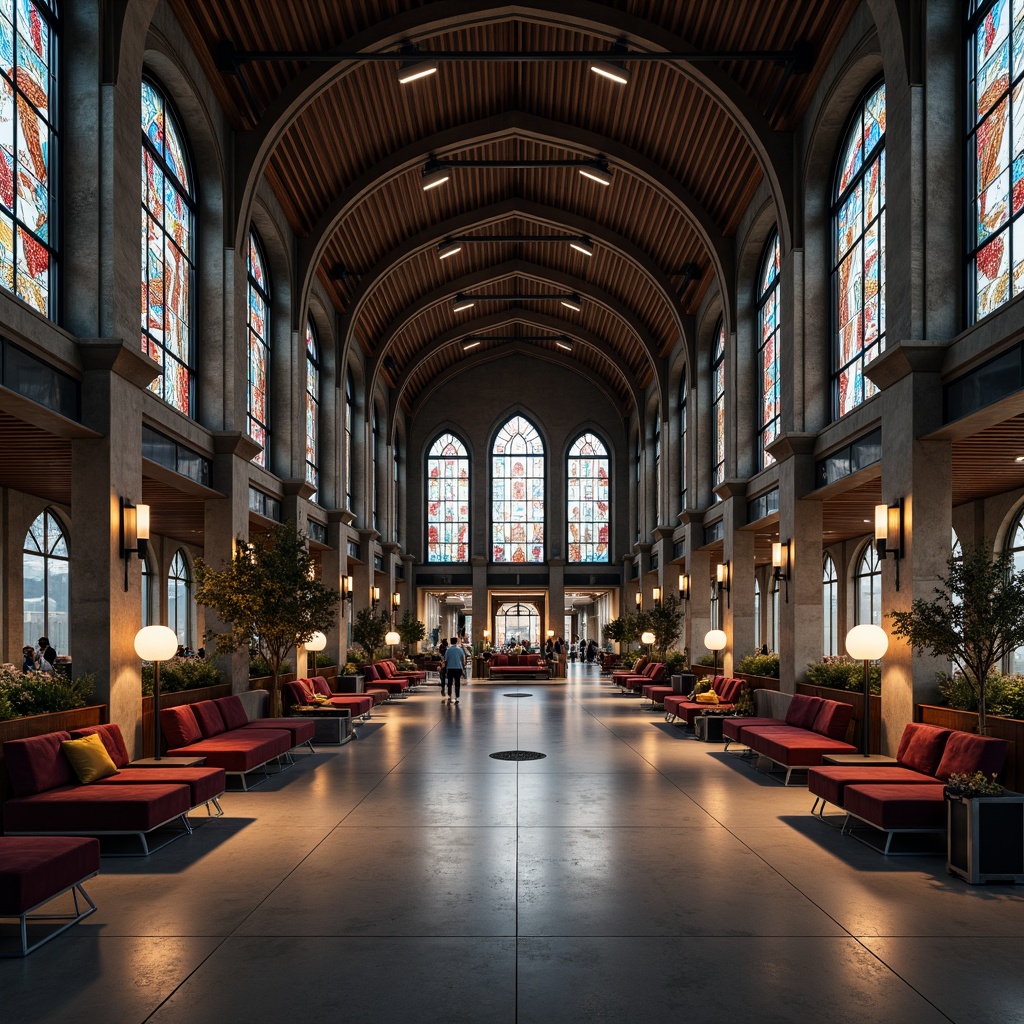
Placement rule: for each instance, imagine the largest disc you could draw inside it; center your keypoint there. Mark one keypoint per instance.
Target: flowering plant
(969, 786)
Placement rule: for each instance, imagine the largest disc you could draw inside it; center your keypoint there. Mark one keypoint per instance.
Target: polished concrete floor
(633, 874)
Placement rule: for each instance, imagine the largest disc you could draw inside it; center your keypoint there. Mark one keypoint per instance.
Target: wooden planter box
(1009, 729)
(856, 698)
(985, 838)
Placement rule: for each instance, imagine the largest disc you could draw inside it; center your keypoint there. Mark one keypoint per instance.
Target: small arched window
(868, 583)
(769, 302)
(1015, 548)
(718, 409)
(448, 500)
(179, 599)
(830, 607)
(312, 409)
(683, 465)
(259, 348)
(168, 257)
(858, 257)
(517, 493)
(46, 591)
(587, 499)
(350, 418)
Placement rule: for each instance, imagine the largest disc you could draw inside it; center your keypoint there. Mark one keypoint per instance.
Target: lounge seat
(376, 675)
(303, 692)
(679, 706)
(653, 673)
(619, 674)
(519, 666)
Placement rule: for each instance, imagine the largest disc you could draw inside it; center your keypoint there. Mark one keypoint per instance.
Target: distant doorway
(517, 623)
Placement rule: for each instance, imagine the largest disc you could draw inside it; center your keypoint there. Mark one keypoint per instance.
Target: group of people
(39, 659)
(583, 650)
(454, 662)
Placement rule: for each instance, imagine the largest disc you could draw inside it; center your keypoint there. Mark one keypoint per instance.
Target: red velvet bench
(378, 676)
(619, 674)
(678, 705)
(37, 869)
(652, 673)
(303, 692)
(227, 713)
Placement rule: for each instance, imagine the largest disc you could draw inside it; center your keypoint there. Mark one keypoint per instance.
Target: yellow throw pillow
(708, 697)
(89, 758)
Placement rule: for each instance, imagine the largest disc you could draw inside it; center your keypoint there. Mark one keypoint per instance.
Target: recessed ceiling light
(583, 245)
(448, 248)
(596, 172)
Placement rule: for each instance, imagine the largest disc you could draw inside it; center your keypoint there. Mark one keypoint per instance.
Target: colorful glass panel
(718, 410)
(768, 337)
(168, 267)
(312, 409)
(858, 269)
(259, 349)
(28, 149)
(587, 500)
(448, 500)
(517, 493)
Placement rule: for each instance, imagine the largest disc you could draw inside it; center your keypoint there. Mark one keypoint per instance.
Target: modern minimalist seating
(680, 706)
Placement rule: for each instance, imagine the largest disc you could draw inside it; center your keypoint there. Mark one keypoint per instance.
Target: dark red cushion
(93, 809)
(830, 781)
(179, 726)
(203, 783)
(921, 747)
(232, 710)
(966, 754)
(733, 727)
(36, 868)
(301, 729)
(833, 719)
(729, 689)
(36, 763)
(371, 673)
(802, 711)
(319, 685)
(792, 746)
(499, 660)
(897, 805)
(112, 740)
(239, 751)
(209, 718)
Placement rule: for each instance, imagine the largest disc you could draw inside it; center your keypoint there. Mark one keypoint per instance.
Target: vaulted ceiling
(344, 145)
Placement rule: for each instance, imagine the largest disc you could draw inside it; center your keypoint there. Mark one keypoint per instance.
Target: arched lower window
(683, 465)
(168, 251)
(350, 417)
(868, 582)
(718, 409)
(769, 335)
(179, 599)
(448, 500)
(312, 409)
(587, 499)
(1015, 548)
(858, 256)
(757, 613)
(995, 155)
(259, 348)
(830, 607)
(518, 623)
(517, 493)
(149, 607)
(46, 574)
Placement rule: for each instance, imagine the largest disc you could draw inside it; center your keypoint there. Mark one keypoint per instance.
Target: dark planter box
(349, 684)
(985, 838)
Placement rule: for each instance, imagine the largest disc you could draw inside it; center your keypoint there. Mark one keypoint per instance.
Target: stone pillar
(364, 576)
(642, 557)
(334, 570)
(105, 615)
(481, 602)
(698, 609)
(918, 472)
(738, 551)
(556, 597)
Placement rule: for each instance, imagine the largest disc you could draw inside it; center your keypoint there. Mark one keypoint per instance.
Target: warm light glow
(447, 249)
(639, 599)
(722, 575)
(571, 302)
(612, 72)
(142, 522)
(582, 245)
(416, 70)
(317, 642)
(881, 522)
(461, 304)
(156, 643)
(469, 345)
(866, 642)
(374, 594)
(893, 534)
(715, 640)
(566, 345)
(777, 555)
(647, 638)
(487, 634)
(346, 586)
(551, 632)
(396, 599)
(391, 638)
(656, 594)
(434, 177)
(598, 174)
(684, 587)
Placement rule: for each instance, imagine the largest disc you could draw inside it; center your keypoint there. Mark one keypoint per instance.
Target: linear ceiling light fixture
(598, 171)
(434, 174)
(437, 170)
(462, 302)
(613, 70)
(467, 345)
(454, 243)
(566, 345)
(449, 247)
(583, 245)
(414, 66)
(570, 301)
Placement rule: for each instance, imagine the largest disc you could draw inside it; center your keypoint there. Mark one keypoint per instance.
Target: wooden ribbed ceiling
(346, 162)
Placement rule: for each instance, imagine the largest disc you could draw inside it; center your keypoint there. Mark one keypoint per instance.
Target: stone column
(335, 569)
(738, 551)
(481, 603)
(364, 576)
(556, 598)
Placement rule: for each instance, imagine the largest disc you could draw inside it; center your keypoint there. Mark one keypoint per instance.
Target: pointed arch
(258, 320)
(518, 479)
(448, 499)
(588, 506)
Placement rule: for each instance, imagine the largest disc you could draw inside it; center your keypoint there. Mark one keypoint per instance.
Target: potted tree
(411, 630)
(369, 630)
(985, 837)
(975, 620)
(269, 598)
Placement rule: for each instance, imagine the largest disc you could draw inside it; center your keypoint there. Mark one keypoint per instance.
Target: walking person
(442, 649)
(46, 659)
(455, 662)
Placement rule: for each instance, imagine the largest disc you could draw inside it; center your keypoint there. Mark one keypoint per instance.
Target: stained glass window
(858, 258)
(769, 297)
(259, 348)
(683, 465)
(168, 266)
(448, 500)
(587, 499)
(995, 164)
(312, 409)
(350, 414)
(830, 607)
(718, 410)
(869, 587)
(46, 593)
(517, 493)
(179, 599)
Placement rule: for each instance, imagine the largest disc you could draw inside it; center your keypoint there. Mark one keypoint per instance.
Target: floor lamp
(866, 643)
(715, 640)
(156, 644)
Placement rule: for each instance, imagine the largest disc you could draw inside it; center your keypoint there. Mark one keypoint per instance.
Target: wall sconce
(781, 560)
(346, 592)
(889, 533)
(684, 587)
(656, 593)
(134, 533)
(396, 600)
(374, 597)
(724, 583)
(639, 600)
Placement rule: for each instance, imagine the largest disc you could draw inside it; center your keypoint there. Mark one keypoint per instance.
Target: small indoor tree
(411, 630)
(269, 598)
(369, 630)
(975, 620)
(666, 623)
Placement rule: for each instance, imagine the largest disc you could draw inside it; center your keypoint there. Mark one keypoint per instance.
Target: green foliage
(745, 701)
(411, 630)
(969, 786)
(705, 659)
(36, 693)
(629, 658)
(321, 659)
(354, 657)
(666, 623)
(844, 674)
(369, 630)
(182, 674)
(676, 662)
(975, 620)
(269, 597)
(627, 629)
(760, 665)
(1004, 694)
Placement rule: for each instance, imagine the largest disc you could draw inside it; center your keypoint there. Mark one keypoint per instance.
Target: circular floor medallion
(518, 755)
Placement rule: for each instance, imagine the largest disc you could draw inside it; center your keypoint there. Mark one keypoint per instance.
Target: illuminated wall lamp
(684, 587)
(346, 591)
(889, 533)
(134, 533)
(656, 594)
(374, 597)
(722, 575)
(639, 600)
(781, 559)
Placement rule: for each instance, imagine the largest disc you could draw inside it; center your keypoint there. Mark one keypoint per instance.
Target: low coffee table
(331, 725)
(168, 762)
(860, 760)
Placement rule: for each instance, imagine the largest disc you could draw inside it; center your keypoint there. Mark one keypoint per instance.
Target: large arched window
(259, 347)
(312, 409)
(995, 155)
(517, 493)
(718, 409)
(448, 500)
(683, 467)
(376, 468)
(1015, 547)
(46, 597)
(587, 499)
(858, 253)
(769, 310)
(830, 607)
(657, 469)
(350, 417)
(868, 582)
(179, 599)
(517, 623)
(168, 253)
